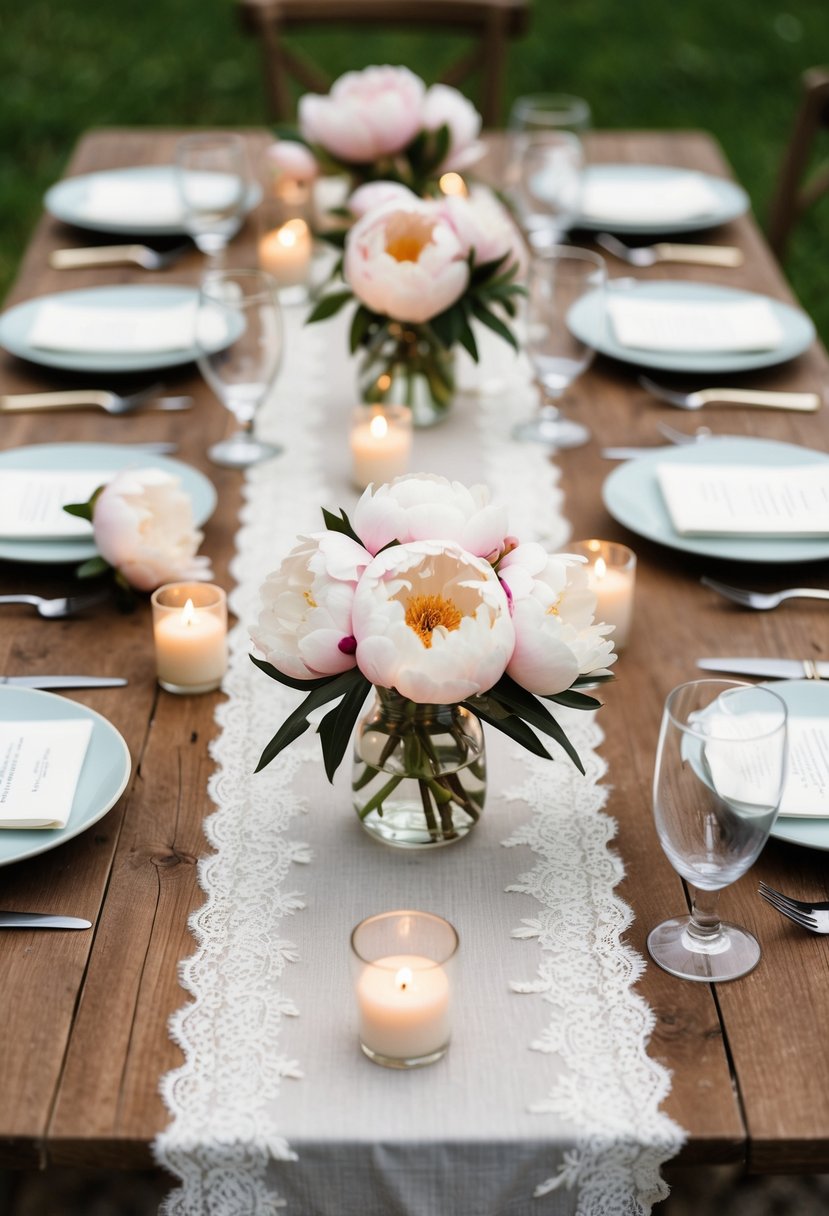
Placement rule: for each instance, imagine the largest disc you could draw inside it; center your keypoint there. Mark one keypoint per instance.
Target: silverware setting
(665, 251)
(62, 606)
(41, 920)
(774, 669)
(804, 402)
(53, 682)
(112, 403)
(116, 255)
(813, 916)
(763, 601)
(675, 437)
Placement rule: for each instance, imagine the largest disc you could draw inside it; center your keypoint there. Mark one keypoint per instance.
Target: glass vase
(419, 776)
(406, 365)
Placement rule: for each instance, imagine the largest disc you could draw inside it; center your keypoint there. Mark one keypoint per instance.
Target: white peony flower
(423, 506)
(377, 194)
(445, 106)
(432, 621)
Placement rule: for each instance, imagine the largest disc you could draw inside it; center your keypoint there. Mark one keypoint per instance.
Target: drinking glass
(547, 195)
(539, 114)
(239, 340)
(720, 771)
(559, 277)
(212, 180)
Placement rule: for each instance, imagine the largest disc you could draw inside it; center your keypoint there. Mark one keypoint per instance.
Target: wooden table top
(83, 1016)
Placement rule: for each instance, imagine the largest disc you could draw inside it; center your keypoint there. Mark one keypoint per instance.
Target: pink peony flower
(367, 114)
(483, 224)
(377, 194)
(445, 106)
(423, 506)
(293, 159)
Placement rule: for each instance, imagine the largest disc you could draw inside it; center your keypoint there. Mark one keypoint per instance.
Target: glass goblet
(720, 771)
(239, 340)
(212, 180)
(559, 277)
(548, 192)
(539, 114)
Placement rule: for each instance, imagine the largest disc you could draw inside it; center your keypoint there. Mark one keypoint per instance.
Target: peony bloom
(404, 260)
(367, 114)
(304, 627)
(552, 607)
(445, 106)
(483, 224)
(292, 159)
(423, 506)
(377, 194)
(432, 621)
(143, 525)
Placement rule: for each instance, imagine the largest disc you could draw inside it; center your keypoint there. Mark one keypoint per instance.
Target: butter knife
(41, 920)
(63, 681)
(777, 669)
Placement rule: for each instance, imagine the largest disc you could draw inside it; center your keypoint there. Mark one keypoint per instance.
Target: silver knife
(777, 669)
(63, 681)
(41, 920)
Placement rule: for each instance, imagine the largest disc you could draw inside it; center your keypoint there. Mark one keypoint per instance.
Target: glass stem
(704, 927)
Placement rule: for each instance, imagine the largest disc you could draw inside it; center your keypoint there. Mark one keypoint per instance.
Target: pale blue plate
(65, 200)
(805, 699)
(107, 457)
(105, 773)
(730, 201)
(588, 321)
(632, 496)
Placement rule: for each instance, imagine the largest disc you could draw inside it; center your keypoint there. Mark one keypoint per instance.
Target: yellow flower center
(309, 599)
(407, 236)
(424, 613)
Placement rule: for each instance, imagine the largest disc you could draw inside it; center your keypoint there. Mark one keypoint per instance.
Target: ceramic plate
(805, 699)
(588, 321)
(16, 323)
(105, 773)
(729, 200)
(107, 457)
(65, 200)
(632, 496)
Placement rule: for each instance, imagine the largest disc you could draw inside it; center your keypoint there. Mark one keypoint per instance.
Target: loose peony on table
(85, 1017)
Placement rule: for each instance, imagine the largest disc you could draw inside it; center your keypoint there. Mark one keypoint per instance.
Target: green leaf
(525, 705)
(467, 338)
(328, 306)
(340, 523)
(488, 318)
(488, 270)
(289, 681)
(336, 727)
(83, 510)
(574, 700)
(514, 727)
(360, 324)
(92, 567)
(602, 676)
(297, 722)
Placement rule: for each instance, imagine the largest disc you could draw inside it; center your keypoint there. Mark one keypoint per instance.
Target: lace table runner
(274, 1108)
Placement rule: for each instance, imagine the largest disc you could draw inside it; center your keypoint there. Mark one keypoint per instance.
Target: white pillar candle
(190, 634)
(403, 1003)
(611, 574)
(381, 444)
(285, 252)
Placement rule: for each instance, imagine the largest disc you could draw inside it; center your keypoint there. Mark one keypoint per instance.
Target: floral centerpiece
(428, 600)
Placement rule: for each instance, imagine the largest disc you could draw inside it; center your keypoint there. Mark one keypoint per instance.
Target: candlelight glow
(403, 978)
(379, 427)
(291, 233)
(453, 185)
(600, 569)
(188, 613)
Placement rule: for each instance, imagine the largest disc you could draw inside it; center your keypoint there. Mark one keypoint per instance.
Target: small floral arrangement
(142, 521)
(383, 123)
(426, 597)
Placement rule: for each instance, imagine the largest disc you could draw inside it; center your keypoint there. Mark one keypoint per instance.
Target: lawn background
(730, 66)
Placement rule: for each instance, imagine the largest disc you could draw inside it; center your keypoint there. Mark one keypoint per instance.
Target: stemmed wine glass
(720, 772)
(548, 191)
(239, 340)
(212, 180)
(559, 277)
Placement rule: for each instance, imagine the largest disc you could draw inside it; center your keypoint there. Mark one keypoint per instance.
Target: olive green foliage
(729, 66)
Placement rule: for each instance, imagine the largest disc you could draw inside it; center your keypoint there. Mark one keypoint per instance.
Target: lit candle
(285, 252)
(611, 574)
(190, 634)
(403, 1001)
(453, 185)
(381, 443)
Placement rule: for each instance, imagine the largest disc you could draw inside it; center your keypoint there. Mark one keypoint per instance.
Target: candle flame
(378, 427)
(453, 185)
(188, 613)
(292, 232)
(403, 978)
(600, 569)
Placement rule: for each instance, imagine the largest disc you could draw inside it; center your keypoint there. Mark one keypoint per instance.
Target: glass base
(733, 952)
(184, 690)
(404, 827)
(410, 1062)
(556, 432)
(239, 453)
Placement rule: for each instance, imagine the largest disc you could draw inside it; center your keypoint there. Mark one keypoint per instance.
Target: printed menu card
(40, 764)
(740, 500)
(32, 502)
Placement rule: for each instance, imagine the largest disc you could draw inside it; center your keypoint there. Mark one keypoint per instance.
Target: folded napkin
(678, 197)
(82, 328)
(136, 201)
(701, 326)
(32, 502)
(740, 500)
(807, 778)
(40, 764)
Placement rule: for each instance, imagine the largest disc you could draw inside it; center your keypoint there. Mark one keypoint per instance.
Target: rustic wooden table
(83, 1016)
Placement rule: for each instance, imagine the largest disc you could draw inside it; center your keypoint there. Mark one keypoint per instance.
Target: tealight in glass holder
(402, 966)
(611, 574)
(381, 443)
(190, 634)
(285, 246)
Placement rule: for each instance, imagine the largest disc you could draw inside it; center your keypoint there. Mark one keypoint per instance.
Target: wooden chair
(793, 196)
(489, 22)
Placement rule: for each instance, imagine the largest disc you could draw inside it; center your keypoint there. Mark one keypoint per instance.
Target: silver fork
(682, 437)
(116, 255)
(763, 601)
(814, 916)
(805, 402)
(113, 403)
(55, 609)
(664, 251)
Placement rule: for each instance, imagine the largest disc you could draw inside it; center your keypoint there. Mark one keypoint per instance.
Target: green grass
(729, 66)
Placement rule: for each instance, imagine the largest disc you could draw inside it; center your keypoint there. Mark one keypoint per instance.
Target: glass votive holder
(285, 248)
(402, 967)
(611, 574)
(381, 443)
(190, 635)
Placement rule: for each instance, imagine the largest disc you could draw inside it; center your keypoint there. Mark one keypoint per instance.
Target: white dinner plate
(805, 699)
(632, 496)
(728, 200)
(65, 200)
(589, 321)
(16, 324)
(107, 457)
(105, 773)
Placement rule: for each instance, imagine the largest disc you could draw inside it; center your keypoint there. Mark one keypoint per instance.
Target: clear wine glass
(559, 277)
(212, 180)
(547, 195)
(720, 771)
(239, 340)
(539, 114)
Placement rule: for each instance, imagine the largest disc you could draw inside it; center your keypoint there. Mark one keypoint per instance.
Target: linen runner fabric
(547, 1102)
